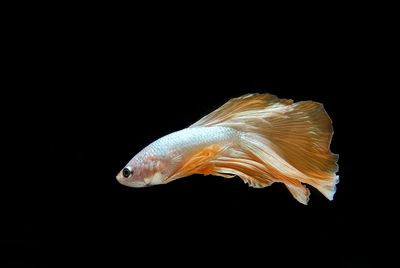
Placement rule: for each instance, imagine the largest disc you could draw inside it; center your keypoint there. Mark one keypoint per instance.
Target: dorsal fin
(238, 105)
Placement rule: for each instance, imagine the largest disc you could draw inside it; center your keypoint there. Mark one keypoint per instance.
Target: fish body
(258, 137)
(164, 156)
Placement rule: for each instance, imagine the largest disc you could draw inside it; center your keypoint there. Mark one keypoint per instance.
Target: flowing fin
(281, 141)
(245, 165)
(300, 192)
(245, 103)
(199, 163)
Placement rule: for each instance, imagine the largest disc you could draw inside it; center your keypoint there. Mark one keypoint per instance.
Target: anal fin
(299, 192)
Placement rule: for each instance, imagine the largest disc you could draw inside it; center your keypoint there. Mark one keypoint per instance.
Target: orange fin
(199, 163)
(245, 103)
(299, 192)
(281, 141)
(249, 170)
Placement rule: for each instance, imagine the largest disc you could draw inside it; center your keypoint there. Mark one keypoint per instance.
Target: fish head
(143, 171)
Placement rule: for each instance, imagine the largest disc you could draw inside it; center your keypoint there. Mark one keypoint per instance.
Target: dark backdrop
(110, 92)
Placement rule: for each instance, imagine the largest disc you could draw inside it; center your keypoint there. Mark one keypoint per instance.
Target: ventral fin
(199, 163)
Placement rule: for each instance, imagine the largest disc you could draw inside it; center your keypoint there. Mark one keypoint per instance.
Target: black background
(111, 88)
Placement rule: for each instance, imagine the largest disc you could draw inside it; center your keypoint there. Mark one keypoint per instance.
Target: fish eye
(126, 172)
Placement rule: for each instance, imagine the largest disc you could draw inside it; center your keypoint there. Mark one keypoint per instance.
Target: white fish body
(164, 156)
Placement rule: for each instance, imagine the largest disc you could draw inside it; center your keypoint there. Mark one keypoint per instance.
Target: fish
(257, 137)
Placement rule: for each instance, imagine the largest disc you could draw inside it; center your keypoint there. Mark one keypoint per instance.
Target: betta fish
(258, 137)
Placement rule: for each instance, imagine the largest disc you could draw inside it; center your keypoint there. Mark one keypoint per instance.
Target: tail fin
(281, 141)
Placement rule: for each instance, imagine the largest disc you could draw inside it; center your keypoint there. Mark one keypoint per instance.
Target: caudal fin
(281, 141)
